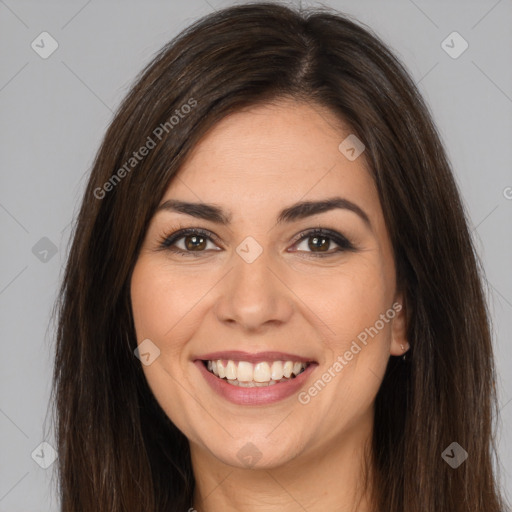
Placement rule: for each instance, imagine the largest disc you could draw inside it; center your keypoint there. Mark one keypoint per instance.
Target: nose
(254, 296)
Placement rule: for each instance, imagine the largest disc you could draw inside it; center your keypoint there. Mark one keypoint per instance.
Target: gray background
(55, 112)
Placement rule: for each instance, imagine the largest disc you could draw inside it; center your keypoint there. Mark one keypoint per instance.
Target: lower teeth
(254, 384)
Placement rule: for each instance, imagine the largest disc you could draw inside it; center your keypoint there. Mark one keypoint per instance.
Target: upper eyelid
(180, 233)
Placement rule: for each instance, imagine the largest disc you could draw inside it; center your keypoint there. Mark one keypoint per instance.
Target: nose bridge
(252, 295)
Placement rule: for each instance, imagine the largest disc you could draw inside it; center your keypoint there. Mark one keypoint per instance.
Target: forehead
(273, 155)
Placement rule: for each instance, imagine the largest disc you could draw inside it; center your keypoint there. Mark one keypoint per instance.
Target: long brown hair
(118, 451)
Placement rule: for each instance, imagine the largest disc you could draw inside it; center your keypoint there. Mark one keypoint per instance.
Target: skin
(253, 164)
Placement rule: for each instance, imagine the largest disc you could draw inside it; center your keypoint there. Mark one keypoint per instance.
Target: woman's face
(247, 292)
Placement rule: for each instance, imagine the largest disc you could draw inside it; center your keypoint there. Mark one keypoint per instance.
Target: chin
(256, 452)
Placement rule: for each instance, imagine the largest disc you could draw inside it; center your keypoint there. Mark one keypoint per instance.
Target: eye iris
(323, 243)
(194, 239)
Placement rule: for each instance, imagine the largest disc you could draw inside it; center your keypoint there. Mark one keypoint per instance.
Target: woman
(272, 301)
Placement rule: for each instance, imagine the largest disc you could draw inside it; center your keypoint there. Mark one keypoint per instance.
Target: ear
(399, 343)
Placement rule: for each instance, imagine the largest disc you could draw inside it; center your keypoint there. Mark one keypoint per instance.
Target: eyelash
(167, 241)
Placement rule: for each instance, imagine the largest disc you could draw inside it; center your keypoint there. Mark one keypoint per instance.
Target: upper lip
(239, 355)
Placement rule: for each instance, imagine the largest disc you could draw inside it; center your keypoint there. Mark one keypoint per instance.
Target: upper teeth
(244, 371)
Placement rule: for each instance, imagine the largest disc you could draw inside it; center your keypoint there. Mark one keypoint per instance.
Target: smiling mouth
(249, 375)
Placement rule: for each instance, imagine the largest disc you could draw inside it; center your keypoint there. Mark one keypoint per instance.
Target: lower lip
(261, 395)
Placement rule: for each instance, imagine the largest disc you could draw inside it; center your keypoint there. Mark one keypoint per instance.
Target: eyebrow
(292, 213)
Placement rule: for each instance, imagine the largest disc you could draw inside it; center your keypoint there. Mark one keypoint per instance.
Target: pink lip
(239, 355)
(257, 395)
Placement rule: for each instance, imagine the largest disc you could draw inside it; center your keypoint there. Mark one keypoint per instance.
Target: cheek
(164, 301)
(349, 301)
(357, 343)
(163, 311)
(357, 340)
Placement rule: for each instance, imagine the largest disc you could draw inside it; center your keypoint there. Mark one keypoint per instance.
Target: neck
(330, 476)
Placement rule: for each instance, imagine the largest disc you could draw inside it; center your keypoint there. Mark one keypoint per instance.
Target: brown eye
(315, 244)
(195, 243)
(320, 243)
(323, 242)
(190, 241)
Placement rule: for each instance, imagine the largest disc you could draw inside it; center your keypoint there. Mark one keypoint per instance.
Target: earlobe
(399, 343)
